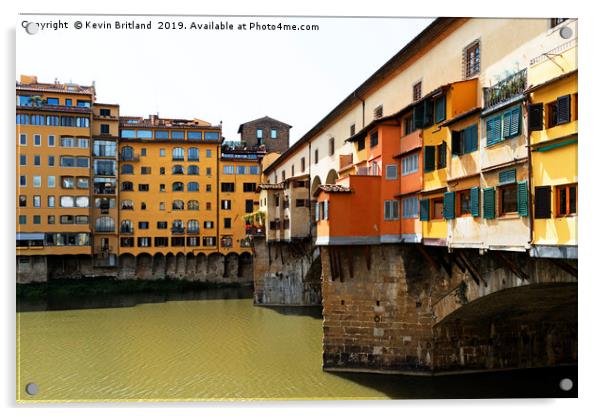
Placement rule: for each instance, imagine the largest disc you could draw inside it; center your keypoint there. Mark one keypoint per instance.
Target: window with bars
(566, 200)
(472, 59)
(417, 91)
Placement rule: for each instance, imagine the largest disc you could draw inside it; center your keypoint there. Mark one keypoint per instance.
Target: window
(248, 206)
(52, 120)
(193, 154)
(259, 133)
(472, 59)
(177, 170)
(535, 117)
(143, 187)
(543, 202)
(52, 101)
(22, 219)
(302, 164)
(566, 200)
(208, 225)
(274, 133)
(437, 208)
(83, 143)
(195, 135)
(283, 176)
(391, 210)
(22, 180)
(36, 160)
(511, 123)
(37, 201)
(208, 153)
(241, 170)
(494, 130)
(193, 170)
(208, 241)
(193, 187)
(105, 112)
(161, 134)
(227, 222)
(249, 187)
(254, 170)
(228, 170)
(22, 160)
(144, 134)
(193, 205)
(37, 181)
(410, 207)
(37, 120)
(177, 205)
(23, 139)
(51, 181)
(208, 171)
(127, 169)
(145, 170)
(391, 172)
(37, 219)
(374, 139)
(50, 219)
(67, 202)
(208, 187)
(177, 187)
(37, 140)
(127, 204)
(227, 187)
(127, 186)
(465, 141)
(104, 129)
(440, 109)
(50, 161)
(144, 241)
(104, 224)
(316, 156)
(82, 201)
(162, 225)
(161, 241)
(442, 155)
(226, 204)
(51, 141)
(193, 226)
(408, 125)
(464, 205)
(161, 152)
(417, 91)
(104, 148)
(178, 153)
(331, 146)
(22, 119)
(22, 201)
(508, 201)
(127, 227)
(143, 225)
(409, 164)
(177, 134)
(143, 151)
(104, 167)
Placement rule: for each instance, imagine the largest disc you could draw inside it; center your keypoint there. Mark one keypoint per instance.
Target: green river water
(210, 346)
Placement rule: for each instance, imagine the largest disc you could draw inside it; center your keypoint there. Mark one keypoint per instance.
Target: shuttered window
(543, 202)
(419, 116)
(474, 201)
(442, 155)
(489, 203)
(494, 130)
(391, 210)
(429, 158)
(523, 198)
(440, 109)
(424, 210)
(457, 142)
(449, 205)
(465, 141)
(507, 176)
(511, 123)
(535, 117)
(563, 108)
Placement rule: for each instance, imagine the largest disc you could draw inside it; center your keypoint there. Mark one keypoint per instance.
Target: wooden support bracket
(472, 269)
(515, 268)
(565, 266)
(431, 260)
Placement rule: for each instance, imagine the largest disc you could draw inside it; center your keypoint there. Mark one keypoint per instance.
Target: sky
(232, 76)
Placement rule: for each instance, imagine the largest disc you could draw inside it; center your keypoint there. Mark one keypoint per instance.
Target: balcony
(255, 230)
(126, 230)
(103, 190)
(194, 231)
(505, 90)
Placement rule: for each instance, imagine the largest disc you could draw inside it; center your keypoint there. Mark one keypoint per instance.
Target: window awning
(30, 236)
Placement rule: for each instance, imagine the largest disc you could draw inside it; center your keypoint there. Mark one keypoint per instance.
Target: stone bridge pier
(286, 273)
(422, 310)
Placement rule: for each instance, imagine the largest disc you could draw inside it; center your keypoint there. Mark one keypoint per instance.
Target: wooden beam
(431, 260)
(565, 266)
(515, 268)
(456, 259)
(472, 269)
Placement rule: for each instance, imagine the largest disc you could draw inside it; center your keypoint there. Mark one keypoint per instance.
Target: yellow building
(168, 198)
(53, 171)
(554, 148)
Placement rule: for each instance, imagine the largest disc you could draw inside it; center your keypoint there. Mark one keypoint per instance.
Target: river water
(212, 345)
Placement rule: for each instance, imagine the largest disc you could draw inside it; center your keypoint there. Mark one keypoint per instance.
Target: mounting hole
(31, 389)
(566, 384)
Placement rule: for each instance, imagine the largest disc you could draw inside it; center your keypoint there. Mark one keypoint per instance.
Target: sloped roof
(328, 188)
(266, 118)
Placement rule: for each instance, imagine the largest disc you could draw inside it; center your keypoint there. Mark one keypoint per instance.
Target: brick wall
(249, 134)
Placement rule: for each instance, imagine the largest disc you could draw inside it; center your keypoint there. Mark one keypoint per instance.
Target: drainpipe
(527, 101)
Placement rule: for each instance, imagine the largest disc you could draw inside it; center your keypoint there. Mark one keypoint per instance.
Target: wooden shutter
(449, 205)
(494, 130)
(457, 142)
(523, 198)
(442, 155)
(543, 202)
(418, 116)
(489, 203)
(507, 176)
(563, 108)
(474, 201)
(429, 158)
(474, 137)
(429, 108)
(506, 124)
(424, 209)
(440, 109)
(535, 117)
(515, 121)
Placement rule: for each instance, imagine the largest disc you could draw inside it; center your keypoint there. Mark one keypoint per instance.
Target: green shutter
(507, 121)
(489, 203)
(474, 137)
(418, 115)
(449, 205)
(429, 158)
(474, 201)
(457, 142)
(424, 209)
(523, 198)
(494, 130)
(515, 122)
(440, 109)
(507, 176)
(563, 109)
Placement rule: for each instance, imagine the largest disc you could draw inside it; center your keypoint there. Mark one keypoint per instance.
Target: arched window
(127, 186)
(177, 170)
(105, 224)
(193, 153)
(126, 227)
(127, 169)
(127, 153)
(177, 205)
(127, 204)
(193, 205)
(177, 153)
(177, 187)
(193, 170)
(193, 226)
(177, 226)
(193, 186)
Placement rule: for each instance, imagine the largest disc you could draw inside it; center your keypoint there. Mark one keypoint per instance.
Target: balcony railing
(506, 89)
(254, 230)
(126, 230)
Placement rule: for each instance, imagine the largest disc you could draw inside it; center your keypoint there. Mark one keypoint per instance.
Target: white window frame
(34, 140)
(51, 181)
(389, 177)
(413, 201)
(39, 181)
(391, 203)
(22, 139)
(409, 164)
(53, 140)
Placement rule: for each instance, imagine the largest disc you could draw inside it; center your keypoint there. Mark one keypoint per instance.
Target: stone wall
(415, 309)
(286, 273)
